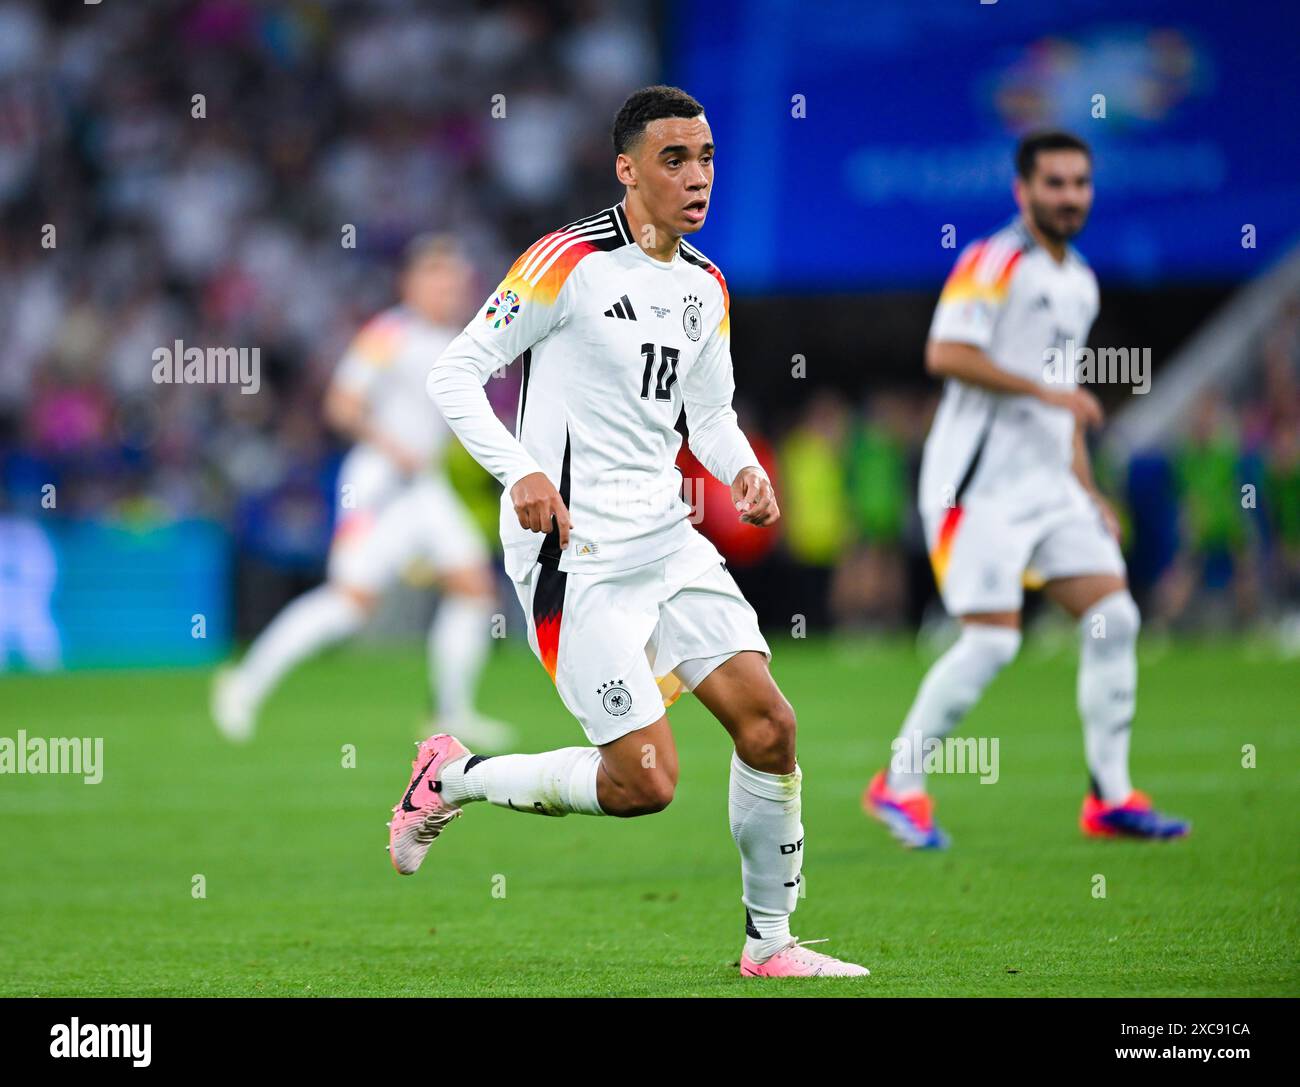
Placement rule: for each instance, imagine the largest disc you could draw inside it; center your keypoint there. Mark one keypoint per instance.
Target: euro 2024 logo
(502, 309)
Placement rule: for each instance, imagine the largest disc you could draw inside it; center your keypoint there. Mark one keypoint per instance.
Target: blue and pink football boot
(1134, 818)
(909, 816)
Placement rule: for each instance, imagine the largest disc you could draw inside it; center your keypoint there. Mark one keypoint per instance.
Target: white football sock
(1108, 690)
(951, 687)
(764, 811)
(307, 625)
(458, 646)
(552, 783)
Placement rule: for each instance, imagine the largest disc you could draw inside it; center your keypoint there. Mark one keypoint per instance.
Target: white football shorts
(622, 646)
(422, 530)
(985, 552)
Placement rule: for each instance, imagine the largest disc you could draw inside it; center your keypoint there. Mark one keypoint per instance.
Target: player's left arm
(715, 435)
(1082, 468)
(721, 446)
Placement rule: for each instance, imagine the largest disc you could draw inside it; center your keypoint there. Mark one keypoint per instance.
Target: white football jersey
(1009, 297)
(387, 364)
(614, 344)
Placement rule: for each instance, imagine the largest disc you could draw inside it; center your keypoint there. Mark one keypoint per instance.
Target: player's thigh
(1078, 561)
(1077, 594)
(744, 697)
(978, 553)
(590, 634)
(702, 623)
(467, 581)
(1008, 619)
(708, 636)
(643, 763)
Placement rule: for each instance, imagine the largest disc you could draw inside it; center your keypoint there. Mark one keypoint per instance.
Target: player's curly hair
(650, 104)
(1050, 140)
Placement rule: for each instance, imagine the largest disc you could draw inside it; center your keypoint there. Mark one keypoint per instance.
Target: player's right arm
(348, 412)
(527, 306)
(968, 363)
(1081, 466)
(973, 301)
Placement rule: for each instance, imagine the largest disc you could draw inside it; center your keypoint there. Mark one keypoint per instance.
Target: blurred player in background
(1007, 497)
(396, 512)
(621, 326)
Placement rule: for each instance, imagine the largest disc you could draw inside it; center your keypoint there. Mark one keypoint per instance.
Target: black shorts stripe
(527, 359)
(549, 555)
(548, 600)
(974, 464)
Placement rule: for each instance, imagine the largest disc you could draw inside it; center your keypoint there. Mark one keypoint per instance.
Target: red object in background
(741, 544)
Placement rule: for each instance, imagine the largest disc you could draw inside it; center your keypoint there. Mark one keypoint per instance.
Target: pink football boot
(422, 813)
(796, 961)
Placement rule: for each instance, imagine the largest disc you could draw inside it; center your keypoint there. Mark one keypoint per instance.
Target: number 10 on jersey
(667, 371)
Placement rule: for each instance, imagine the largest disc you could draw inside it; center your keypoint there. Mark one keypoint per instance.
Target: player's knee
(1115, 618)
(471, 581)
(769, 736)
(647, 794)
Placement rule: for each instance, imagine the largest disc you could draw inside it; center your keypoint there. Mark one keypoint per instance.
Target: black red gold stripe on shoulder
(693, 256)
(984, 271)
(540, 272)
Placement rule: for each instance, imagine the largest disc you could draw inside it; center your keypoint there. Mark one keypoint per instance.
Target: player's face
(672, 168)
(437, 288)
(1058, 195)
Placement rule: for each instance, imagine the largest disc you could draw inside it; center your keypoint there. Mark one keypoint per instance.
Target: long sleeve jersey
(614, 345)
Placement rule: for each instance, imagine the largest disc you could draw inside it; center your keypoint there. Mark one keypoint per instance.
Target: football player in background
(1007, 497)
(395, 509)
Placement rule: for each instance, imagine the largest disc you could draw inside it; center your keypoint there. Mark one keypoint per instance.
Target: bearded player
(397, 514)
(620, 325)
(1007, 497)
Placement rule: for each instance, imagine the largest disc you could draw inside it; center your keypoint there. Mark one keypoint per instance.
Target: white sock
(1108, 690)
(951, 687)
(764, 810)
(458, 646)
(552, 783)
(307, 625)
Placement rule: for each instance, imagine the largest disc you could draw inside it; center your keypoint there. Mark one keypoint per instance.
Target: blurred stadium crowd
(226, 229)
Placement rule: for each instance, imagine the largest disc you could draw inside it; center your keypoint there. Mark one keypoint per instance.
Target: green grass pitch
(96, 881)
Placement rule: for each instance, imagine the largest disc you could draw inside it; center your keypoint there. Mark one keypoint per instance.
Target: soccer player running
(1007, 494)
(396, 512)
(619, 325)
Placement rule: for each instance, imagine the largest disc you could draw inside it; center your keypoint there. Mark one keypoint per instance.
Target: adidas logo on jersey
(621, 309)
